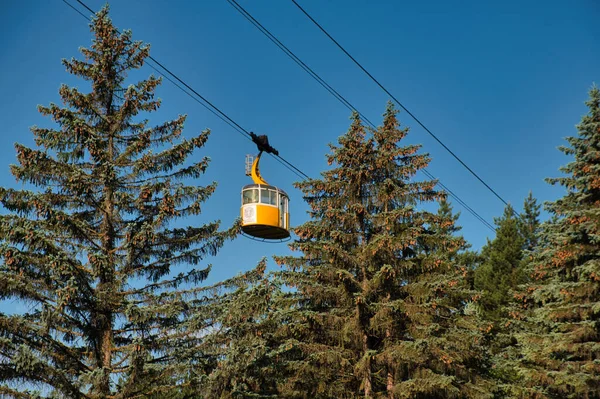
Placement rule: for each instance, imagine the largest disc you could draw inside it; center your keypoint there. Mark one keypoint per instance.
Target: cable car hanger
(262, 142)
(265, 208)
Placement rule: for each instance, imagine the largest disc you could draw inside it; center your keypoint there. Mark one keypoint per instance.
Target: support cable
(400, 104)
(188, 90)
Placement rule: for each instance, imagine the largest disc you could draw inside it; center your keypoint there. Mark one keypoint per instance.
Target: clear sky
(500, 83)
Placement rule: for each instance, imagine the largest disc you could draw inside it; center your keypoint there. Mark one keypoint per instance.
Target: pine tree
(377, 306)
(501, 268)
(93, 250)
(561, 306)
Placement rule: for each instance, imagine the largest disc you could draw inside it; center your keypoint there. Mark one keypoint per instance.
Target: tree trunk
(107, 277)
(390, 384)
(367, 382)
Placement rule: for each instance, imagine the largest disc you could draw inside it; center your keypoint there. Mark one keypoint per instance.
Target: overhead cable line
(295, 58)
(341, 98)
(187, 89)
(400, 104)
(460, 201)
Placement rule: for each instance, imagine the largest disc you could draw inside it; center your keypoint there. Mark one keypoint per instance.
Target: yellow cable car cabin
(264, 210)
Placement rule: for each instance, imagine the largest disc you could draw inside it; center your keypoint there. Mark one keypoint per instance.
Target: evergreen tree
(561, 305)
(93, 251)
(449, 227)
(466, 259)
(529, 223)
(500, 271)
(243, 339)
(446, 212)
(377, 306)
(498, 275)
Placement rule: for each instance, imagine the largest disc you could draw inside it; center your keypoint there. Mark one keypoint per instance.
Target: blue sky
(500, 83)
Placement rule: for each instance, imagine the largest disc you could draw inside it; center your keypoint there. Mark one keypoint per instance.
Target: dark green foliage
(500, 270)
(377, 308)
(499, 273)
(449, 227)
(242, 339)
(467, 260)
(92, 252)
(497, 276)
(445, 212)
(560, 307)
(529, 223)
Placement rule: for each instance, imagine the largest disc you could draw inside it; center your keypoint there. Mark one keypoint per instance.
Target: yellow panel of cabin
(268, 215)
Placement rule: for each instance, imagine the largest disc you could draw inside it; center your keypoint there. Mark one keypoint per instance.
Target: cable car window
(264, 196)
(268, 197)
(250, 196)
(273, 197)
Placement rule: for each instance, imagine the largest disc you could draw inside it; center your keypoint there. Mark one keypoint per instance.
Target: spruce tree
(498, 275)
(560, 307)
(378, 308)
(242, 341)
(500, 270)
(450, 227)
(466, 259)
(93, 247)
(529, 223)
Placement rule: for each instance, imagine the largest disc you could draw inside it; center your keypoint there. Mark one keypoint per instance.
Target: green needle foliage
(92, 251)
(501, 271)
(504, 258)
(243, 339)
(560, 308)
(377, 307)
(529, 223)
(445, 212)
(462, 257)
(501, 268)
